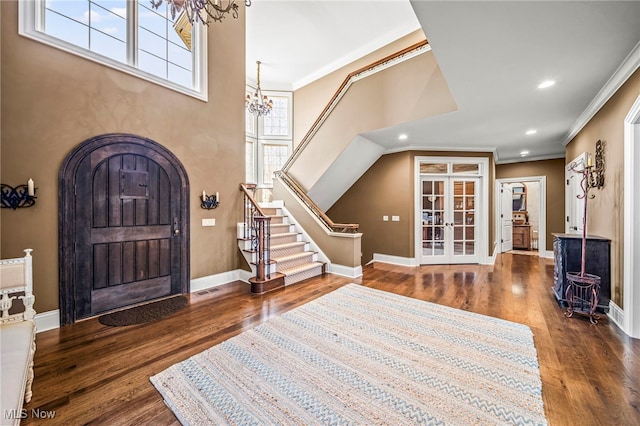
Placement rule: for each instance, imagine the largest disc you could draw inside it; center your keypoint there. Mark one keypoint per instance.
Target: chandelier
(259, 104)
(203, 11)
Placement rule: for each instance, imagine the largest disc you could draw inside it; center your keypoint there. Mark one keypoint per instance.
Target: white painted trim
(631, 248)
(536, 158)
(624, 71)
(483, 202)
(547, 254)
(48, 320)
(345, 271)
(616, 314)
(210, 281)
(542, 203)
(492, 260)
(434, 148)
(395, 260)
(372, 46)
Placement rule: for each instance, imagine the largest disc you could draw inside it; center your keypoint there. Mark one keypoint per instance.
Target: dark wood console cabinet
(567, 249)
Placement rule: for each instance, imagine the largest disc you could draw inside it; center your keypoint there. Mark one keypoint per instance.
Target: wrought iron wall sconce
(209, 201)
(18, 197)
(595, 172)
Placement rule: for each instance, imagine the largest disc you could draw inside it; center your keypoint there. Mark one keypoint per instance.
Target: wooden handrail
(349, 228)
(244, 187)
(336, 96)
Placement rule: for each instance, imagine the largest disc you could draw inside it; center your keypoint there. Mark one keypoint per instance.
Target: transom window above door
(447, 168)
(128, 35)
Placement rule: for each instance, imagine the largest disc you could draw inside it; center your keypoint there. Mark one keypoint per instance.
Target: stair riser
(281, 228)
(281, 266)
(277, 239)
(288, 251)
(292, 279)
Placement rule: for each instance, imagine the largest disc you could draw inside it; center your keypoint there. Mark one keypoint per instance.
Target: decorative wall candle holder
(209, 201)
(18, 197)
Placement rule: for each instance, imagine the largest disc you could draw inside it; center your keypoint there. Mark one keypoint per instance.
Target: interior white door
(449, 228)
(574, 206)
(506, 218)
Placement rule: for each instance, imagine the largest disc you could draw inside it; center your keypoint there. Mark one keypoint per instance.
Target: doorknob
(176, 228)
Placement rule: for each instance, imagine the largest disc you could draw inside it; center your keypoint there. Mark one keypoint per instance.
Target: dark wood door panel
(128, 197)
(129, 233)
(111, 298)
(125, 262)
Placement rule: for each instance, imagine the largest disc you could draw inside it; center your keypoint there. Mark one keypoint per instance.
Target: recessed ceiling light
(546, 83)
(402, 137)
(531, 132)
(524, 153)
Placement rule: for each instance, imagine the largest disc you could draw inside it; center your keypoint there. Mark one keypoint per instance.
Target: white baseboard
(548, 254)
(47, 320)
(395, 260)
(616, 314)
(491, 260)
(345, 271)
(210, 281)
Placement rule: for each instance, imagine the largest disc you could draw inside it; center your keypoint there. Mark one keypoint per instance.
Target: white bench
(17, 336)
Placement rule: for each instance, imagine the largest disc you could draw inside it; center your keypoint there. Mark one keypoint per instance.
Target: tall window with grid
(269, 139)
(128, 35)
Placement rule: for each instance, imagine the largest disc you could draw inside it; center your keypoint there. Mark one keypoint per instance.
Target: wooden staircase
(291, 258)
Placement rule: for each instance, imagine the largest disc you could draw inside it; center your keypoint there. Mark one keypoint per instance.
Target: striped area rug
(363, 356)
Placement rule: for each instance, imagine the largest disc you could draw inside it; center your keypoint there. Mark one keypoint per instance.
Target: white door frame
(631, 249)
(542, 203)
(573, 206)
(482, 218)
(508, 197)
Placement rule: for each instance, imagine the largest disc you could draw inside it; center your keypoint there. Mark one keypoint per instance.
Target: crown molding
(624, 71)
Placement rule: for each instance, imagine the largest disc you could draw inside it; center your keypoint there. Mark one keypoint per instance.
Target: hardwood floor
(88, 373)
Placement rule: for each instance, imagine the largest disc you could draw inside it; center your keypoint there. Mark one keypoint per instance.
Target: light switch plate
(208, 222)
(395, 218)
(385, 218)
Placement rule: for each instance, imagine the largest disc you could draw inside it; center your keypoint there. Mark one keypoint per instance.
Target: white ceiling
(492, 54)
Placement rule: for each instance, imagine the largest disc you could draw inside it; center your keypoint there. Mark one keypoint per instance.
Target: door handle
(176, 227)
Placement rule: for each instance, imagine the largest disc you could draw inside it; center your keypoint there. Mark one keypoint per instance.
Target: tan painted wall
(387, 188)
(554, 171)
(406, 91)
(605, 211)
(310, 100)
(52, 101)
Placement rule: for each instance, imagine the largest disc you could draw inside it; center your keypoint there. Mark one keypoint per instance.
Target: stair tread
(302, 268)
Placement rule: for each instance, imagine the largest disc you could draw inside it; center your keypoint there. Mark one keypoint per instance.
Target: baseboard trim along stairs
(292, 259)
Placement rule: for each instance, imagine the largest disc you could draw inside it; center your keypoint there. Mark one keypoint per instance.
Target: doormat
(149, 312)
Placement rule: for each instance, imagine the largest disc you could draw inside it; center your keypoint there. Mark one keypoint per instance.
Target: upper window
(269, 138)
(128, 35)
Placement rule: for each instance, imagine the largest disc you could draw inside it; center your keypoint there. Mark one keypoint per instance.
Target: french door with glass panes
(449, 228)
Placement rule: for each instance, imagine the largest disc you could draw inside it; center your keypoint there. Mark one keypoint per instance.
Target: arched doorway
(123, 225)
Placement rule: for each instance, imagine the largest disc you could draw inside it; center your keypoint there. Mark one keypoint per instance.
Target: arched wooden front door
(124, 217)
